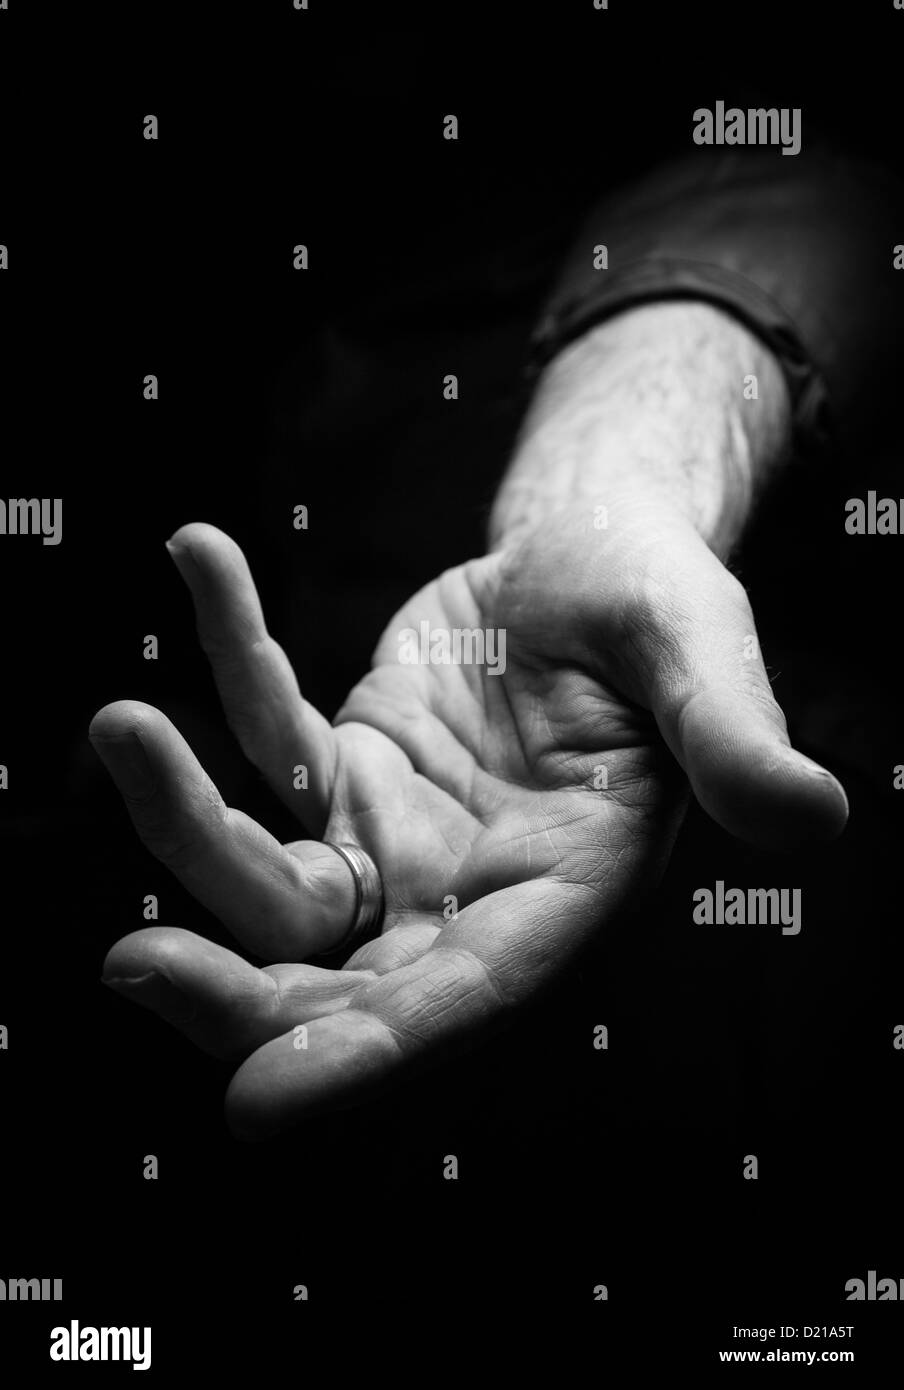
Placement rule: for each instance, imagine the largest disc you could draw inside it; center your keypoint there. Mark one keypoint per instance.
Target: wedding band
(368, 914)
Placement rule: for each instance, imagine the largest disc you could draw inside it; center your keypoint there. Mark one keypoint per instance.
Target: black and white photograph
(451, 744)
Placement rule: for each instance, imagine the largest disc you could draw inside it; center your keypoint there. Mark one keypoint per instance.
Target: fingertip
(149, 948)
(199, 548)
(748, 777)
(779, 803)
(346, 1058)
(824, 804)
(183, 557)
(144, 968)
(121, 718)
(248, 1110)
(197, 533)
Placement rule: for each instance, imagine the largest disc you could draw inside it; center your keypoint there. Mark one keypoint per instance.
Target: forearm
(649, 409)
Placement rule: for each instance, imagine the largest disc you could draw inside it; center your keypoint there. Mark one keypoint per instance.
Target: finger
(224, 1005)
(489, 961)
(696, 652)
(282, 904)
(277, 728)
(399, 946)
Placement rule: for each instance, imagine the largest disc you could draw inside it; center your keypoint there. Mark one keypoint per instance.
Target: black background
(277, 388)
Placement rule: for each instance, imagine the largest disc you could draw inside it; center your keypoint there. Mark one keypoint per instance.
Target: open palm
(511, 812)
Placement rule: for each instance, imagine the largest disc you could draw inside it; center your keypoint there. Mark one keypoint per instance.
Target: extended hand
(511, 813)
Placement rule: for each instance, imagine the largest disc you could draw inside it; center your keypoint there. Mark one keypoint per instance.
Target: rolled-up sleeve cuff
(662, 278)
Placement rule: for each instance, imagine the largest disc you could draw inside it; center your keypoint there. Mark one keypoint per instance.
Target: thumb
(696, 654)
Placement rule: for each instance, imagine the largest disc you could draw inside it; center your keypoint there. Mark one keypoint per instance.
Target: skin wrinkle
(386, 726)
(475, 769)
(484, 968)
(392, 1010)
(454, 853)
(174, 850)
(525, 758)
(276, 1002)
(399, 1044)
(411, 951)
(595, 708)
(314, 879)
(415, 1038)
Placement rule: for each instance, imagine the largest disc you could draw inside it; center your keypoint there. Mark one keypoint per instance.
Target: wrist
(670, 407)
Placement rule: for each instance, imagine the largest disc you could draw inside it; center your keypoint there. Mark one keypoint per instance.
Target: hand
(471, 791)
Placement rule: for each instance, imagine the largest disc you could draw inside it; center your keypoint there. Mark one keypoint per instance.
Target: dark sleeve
(799, 248)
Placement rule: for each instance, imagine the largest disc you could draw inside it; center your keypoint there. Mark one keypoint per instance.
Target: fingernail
(155, 992)
(127, 763)
(185, 562)
(828, 778)
(811, 766)
(816, 769)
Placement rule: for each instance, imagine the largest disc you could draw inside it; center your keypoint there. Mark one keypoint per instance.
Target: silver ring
(368, 893)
